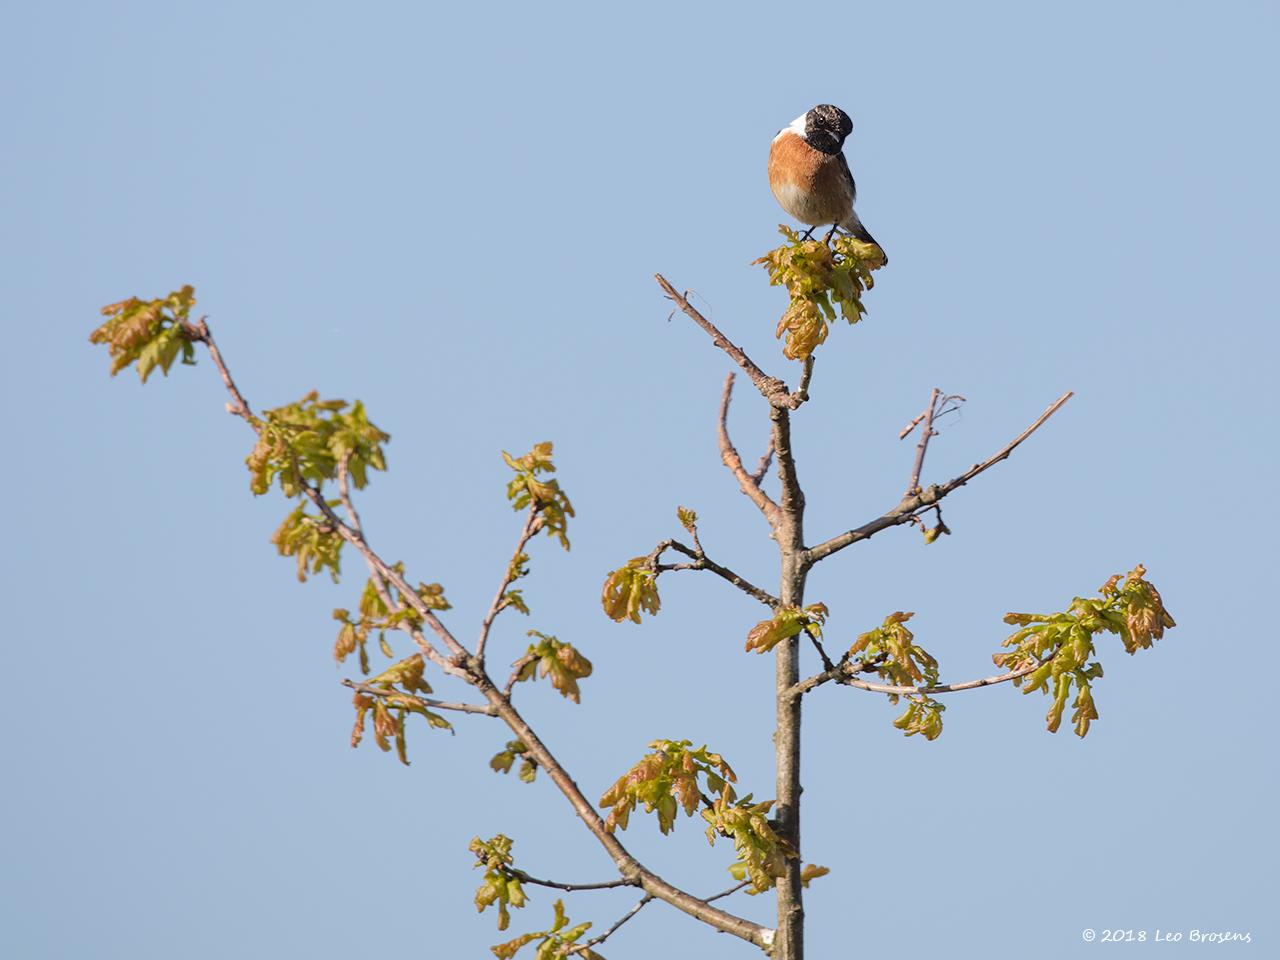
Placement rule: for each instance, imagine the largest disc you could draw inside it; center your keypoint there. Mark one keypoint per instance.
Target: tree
(318, 452)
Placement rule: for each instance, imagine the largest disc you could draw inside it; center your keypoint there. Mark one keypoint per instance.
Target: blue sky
(455, 215)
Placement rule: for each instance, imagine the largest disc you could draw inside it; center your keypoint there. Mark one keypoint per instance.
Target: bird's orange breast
(809, 184)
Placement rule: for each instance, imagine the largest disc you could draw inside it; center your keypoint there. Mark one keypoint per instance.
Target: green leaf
(818, 279)
(528, 489)
(629, 590)
(1064, 643)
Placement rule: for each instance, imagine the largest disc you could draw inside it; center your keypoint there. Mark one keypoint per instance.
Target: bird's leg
(830, 233)
(808, 233)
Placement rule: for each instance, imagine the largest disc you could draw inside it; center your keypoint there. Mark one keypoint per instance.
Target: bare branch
(844, 674)
(515, 673)
(766, 458)
(926, 432)
(571, 887)
(802, 391)
(702, 562)
(771, 388)
(238, 405)
(909, 506)
(373, 690)
(725, 893)
(594, 941)
(822, 652)
(729, 455)
(531, 525)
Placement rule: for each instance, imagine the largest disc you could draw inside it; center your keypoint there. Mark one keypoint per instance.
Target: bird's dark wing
(848, 175)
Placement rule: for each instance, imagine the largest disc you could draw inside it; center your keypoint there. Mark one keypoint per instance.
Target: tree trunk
(789, 938)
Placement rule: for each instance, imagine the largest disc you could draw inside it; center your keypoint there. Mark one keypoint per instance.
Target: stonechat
(809, 175)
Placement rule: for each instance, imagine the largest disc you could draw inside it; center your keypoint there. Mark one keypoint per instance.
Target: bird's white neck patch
(797, 126)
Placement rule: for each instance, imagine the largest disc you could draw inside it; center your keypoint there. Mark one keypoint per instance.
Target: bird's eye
(819, 121)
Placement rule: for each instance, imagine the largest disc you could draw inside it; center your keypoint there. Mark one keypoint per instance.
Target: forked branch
(913, 504)
(749, 483)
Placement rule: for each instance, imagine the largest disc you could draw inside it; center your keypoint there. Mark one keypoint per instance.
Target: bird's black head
(825, 127)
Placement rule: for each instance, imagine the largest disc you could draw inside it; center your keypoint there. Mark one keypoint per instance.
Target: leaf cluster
(373, 615)
(550, 657)
(304, 443)
(762, 854)
(391, 706)
(630, 590)
(501, 883)
(503, 760)
(150, 333)
(1063, 643)
(665, 781)
(558, 942)
(891, 652)
(819, 279)
(312, 540)
(787, 622)
(545, 496)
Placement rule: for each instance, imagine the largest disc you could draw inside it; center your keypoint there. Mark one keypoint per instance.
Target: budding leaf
(149, 333)
(528, 489)
(1062, 645)
(666, 781)
(786, 622)
(559, 661)
(630, 590)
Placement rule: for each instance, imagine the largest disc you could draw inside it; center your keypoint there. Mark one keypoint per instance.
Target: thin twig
(515, 673)
(909, 506)
(925, 433)
(353, 518)
(725, 893)
(594, 941)
(822, 653)
(531, 525)
(238, 405)
(729, 455)
(771, 388)
(766, 458)
(802, 391)
(571, 887)
(376, 691)
(702, 562)
(843, 674)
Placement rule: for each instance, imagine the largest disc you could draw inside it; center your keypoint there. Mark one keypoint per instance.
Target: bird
(809, 175)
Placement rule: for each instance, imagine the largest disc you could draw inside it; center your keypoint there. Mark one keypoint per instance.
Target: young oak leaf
(629, 590)
(558, 942)
(786, 622)
(1061, 645)
(501, 884)
(762, 854)
(502, 761)
(688, 519)
(305, 443)
(559, 661)
(665, 782)
(546, 498)
(150, 333)
(819, 279)
(891, 652)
